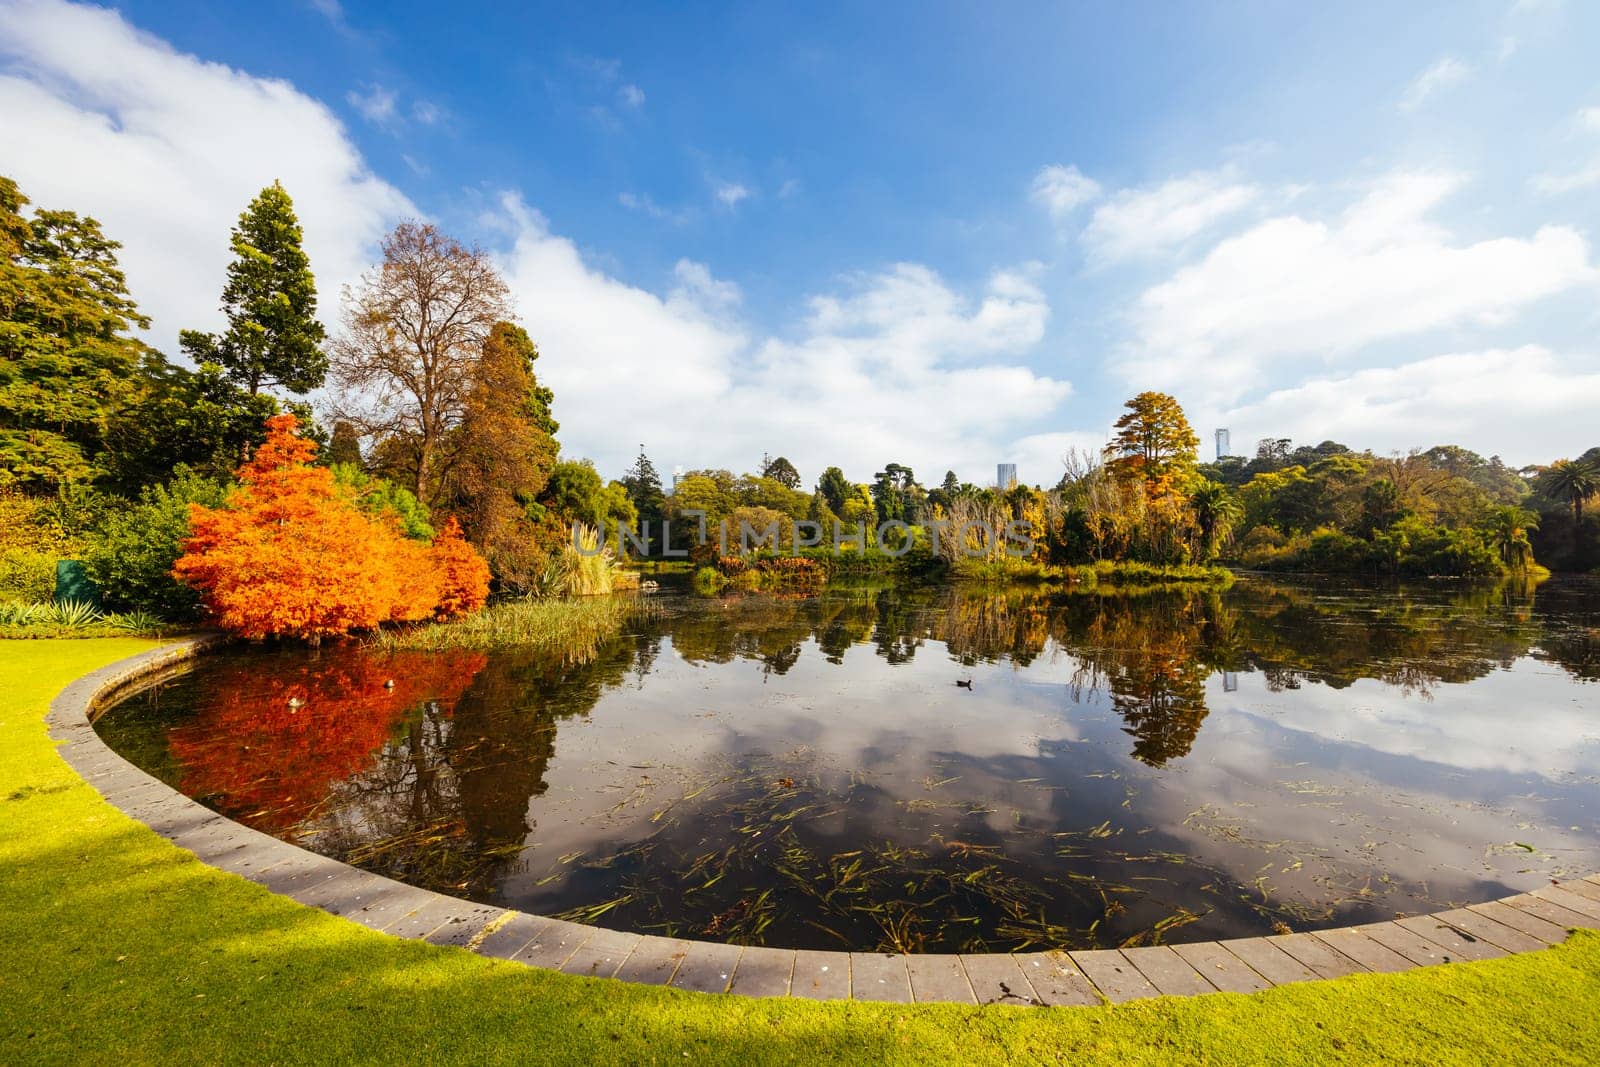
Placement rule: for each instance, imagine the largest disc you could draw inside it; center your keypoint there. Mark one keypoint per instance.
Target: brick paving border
(1521, 923)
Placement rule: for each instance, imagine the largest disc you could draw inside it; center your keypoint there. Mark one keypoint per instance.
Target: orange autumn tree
(463, 574)
(290, 554)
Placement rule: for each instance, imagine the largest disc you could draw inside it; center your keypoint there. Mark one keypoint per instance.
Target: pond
(938, 768)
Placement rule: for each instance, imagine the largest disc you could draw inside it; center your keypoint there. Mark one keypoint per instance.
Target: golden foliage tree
(505, 456)
(1153, 444)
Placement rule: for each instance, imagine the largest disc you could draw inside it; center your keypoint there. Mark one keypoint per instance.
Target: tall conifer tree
(273, 336)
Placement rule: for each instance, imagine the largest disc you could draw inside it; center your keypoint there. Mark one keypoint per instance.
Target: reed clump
(571, 630)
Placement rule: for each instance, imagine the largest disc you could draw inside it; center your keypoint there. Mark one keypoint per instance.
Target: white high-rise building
(1224, 445)
(1005, 475)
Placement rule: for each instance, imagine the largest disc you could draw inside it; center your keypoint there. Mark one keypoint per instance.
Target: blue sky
(939, 234)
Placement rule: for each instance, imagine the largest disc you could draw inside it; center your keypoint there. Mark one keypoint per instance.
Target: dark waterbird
(964, 684)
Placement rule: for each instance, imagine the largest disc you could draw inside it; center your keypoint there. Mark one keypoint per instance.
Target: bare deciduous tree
(414, 330)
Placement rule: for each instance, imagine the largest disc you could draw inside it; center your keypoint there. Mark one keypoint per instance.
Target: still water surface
(1167, 766)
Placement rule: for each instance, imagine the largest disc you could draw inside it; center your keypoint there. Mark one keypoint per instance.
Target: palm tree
(1508, 528)
(1574, 481)
(1216, 512)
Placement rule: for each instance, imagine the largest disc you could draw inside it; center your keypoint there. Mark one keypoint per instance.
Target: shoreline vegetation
(571, 630)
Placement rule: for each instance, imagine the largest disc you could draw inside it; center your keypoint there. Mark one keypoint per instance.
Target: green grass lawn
(117, 947)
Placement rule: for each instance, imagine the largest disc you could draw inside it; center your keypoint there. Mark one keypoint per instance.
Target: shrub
(130, 557)
(1434, 550)
(708, 580)
(27, 574)
(1332, 552)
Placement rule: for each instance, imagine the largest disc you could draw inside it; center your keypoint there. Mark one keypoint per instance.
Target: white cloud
(631, 95)
(1292, 285)
(1062, 189)
(900, 367)
(378, 105)
(1568, 181)
(331, 10)
(642, 202)
(1137, 222)
(1528, 398)
(1587, 122)
(427, 112)
(697, 288)
(166, 150)
(1442, 74)
(729, 194)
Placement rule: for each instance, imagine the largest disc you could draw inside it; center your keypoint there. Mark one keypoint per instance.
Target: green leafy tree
(836, 488)
(948, 490)
(67, 360)
(892, 493)
(345, 447)
(773, 494)
(819, 512)
(575, 493)
(1153, 443)
(381, 498)
(270, 299)
(699, 491)
(1507, 526)
(782, 471)
(1382, 506)
(199, 419)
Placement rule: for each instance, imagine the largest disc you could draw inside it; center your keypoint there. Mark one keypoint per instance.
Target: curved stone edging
(1520, 923)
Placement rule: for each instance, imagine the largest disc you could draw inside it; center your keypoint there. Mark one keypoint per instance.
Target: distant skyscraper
(1224, 445)
(1005, 475)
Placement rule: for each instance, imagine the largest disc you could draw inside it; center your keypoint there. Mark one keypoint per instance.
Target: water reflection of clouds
(1308, 795)
(850, 717)
(1288, 779)
(1525, 719)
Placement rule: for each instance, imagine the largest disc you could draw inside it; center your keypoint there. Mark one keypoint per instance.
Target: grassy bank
(1105, 572)
(116, 947)
(570, 629)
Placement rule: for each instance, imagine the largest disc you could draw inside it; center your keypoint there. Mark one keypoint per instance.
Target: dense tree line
(437, 413)
(105, 443)
(1146, 497)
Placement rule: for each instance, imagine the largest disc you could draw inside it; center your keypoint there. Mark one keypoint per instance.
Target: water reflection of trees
(267, 744)
(427, 778)
(1150, 651)
(430, 779)
(447, 805)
